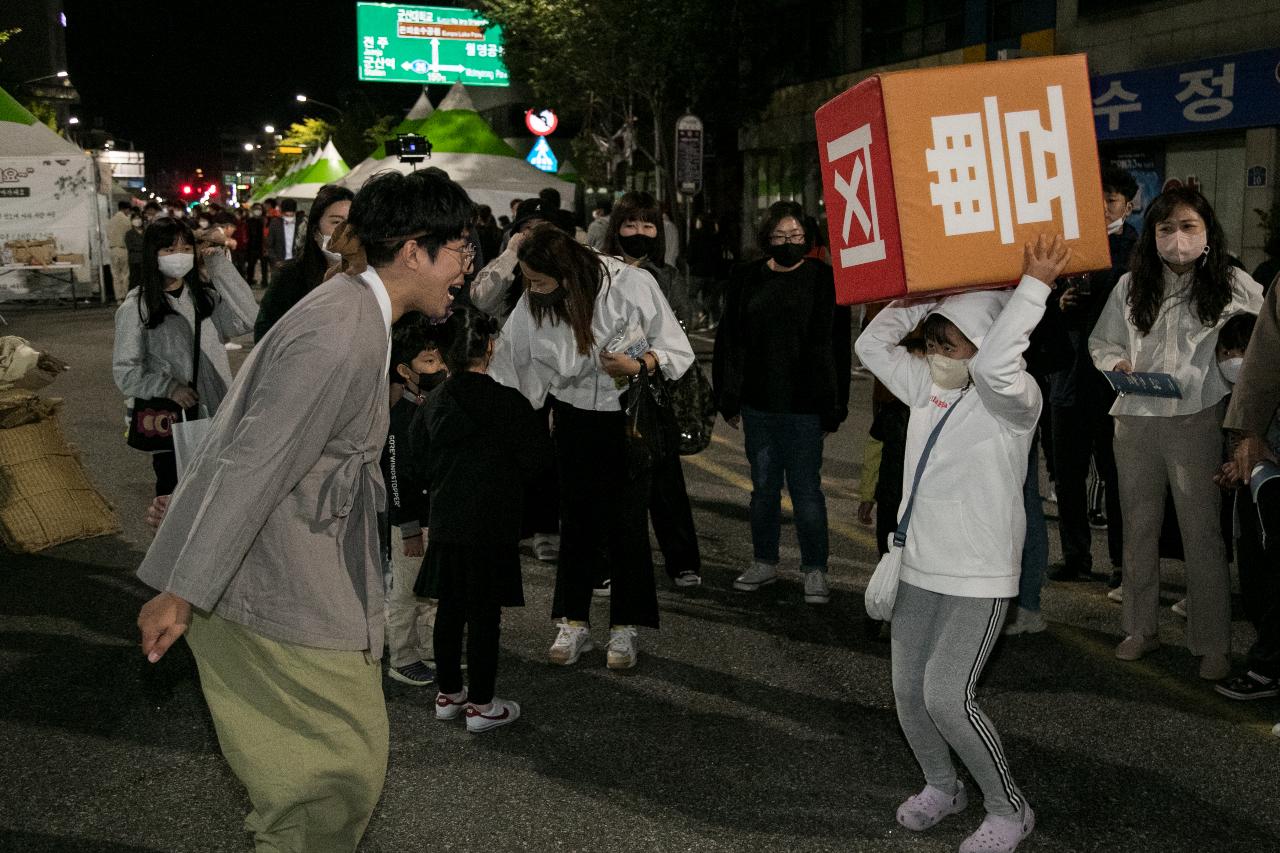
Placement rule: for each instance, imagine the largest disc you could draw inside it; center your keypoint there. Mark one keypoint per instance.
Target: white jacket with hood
(967, 524)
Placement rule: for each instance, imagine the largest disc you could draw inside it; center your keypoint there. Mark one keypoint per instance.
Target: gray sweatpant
(940, 645)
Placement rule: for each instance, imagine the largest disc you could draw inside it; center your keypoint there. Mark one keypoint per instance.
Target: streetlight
(61, 75)
(73, 120)
(248, 146)
(303, 99)
(270, 128)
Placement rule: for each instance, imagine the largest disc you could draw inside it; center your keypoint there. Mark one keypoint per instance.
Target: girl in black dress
(478, 442)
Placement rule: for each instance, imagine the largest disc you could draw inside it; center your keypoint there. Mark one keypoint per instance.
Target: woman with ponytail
(1163, 316)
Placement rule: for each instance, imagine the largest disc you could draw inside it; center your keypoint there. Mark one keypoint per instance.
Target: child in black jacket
(417, 366)
(479, 443)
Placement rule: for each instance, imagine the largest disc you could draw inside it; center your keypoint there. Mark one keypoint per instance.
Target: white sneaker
(1026, 622)
(816, 588)
(1276, 731)
(448, 708)
(688, 578)
(546, 547)
(760, 574)
(570, 643)
(1117, 595)
(499, 712)
(1180, 608)
(232, 346)
(622, 647)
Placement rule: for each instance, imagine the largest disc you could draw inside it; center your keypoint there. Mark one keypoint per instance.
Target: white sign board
(43, 199)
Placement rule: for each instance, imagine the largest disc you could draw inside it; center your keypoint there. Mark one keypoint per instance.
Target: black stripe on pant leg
(994, 624)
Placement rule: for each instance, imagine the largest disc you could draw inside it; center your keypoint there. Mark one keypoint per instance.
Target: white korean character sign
(934, 179)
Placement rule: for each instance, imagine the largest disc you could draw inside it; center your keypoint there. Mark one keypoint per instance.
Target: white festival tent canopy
(467, 148)
(48, 192)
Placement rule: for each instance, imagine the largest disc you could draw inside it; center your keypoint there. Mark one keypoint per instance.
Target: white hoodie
(967, 524)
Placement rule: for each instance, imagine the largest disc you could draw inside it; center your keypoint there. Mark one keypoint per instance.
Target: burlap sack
(19, 407)
(45, 497)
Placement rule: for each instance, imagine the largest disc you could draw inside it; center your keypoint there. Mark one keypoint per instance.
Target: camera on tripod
(409, 147)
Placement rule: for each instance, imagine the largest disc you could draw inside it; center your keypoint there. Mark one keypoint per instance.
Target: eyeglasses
(467, 253)
(777, 238)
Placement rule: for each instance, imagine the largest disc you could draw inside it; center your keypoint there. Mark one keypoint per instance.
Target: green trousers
(305, 731)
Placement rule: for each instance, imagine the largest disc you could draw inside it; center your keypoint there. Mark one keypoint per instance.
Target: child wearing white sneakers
(962, 554)
(480, 444)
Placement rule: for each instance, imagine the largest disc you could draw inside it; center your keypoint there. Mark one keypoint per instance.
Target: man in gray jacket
(268, 556)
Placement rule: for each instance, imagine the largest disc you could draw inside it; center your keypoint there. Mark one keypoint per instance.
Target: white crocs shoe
(925, 809)
(1001, 834)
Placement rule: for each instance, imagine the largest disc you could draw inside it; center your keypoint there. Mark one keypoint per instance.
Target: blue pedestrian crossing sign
(542, 157)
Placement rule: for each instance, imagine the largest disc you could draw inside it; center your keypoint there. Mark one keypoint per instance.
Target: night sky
(170, 76)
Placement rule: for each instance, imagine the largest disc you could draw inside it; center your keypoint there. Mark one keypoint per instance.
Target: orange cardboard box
(972, 161)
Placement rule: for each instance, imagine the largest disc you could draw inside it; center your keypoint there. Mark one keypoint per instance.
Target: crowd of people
(431, 385)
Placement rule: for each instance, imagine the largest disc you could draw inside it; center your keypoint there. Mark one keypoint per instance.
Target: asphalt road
(753, 722)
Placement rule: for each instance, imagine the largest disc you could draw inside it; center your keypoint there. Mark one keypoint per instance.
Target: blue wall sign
(542, 157)
(1221, 93)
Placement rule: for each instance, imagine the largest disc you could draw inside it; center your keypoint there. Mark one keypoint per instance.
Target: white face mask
(1181, 247)
(332, 257)
(1116, 227)
(176, 266)
(203, 223)
(1230, 368)
(948, 373)
(288, 217)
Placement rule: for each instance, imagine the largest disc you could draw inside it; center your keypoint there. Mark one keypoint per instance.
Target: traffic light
(186, 189)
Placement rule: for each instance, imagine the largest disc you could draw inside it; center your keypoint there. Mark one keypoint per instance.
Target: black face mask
(787, 254)
(429, 381)
(547, 301)
(638, 245)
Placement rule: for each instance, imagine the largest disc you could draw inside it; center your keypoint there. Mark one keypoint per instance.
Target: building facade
(1182, 92)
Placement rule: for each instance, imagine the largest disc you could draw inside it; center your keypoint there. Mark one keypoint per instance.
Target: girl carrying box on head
(962, 554)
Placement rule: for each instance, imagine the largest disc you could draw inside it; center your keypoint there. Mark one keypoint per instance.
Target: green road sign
(428, 44)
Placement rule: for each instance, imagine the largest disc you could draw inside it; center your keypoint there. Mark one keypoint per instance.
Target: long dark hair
(153, 306)
(313, 263)
(581, 272)
(1211, 288)
(635, 207)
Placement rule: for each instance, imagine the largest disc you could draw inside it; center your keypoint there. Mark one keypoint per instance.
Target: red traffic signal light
(186, 189)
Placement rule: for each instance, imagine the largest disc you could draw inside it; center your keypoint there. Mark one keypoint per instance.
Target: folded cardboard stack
(36, 253)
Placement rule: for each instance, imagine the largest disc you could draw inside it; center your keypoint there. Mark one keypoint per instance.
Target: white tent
(49, 229)
(466, 147)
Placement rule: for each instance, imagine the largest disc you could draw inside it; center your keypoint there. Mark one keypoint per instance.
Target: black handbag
(651, 426)
(694, 407)
(151, 421)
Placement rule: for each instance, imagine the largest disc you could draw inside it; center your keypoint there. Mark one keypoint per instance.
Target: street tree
(625, 71)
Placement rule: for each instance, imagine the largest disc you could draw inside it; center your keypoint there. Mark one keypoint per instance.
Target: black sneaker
(1248, 686)
(1063, 572)
(417, 674)
(603, 589)
(1115, 580)
(1098, 520)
